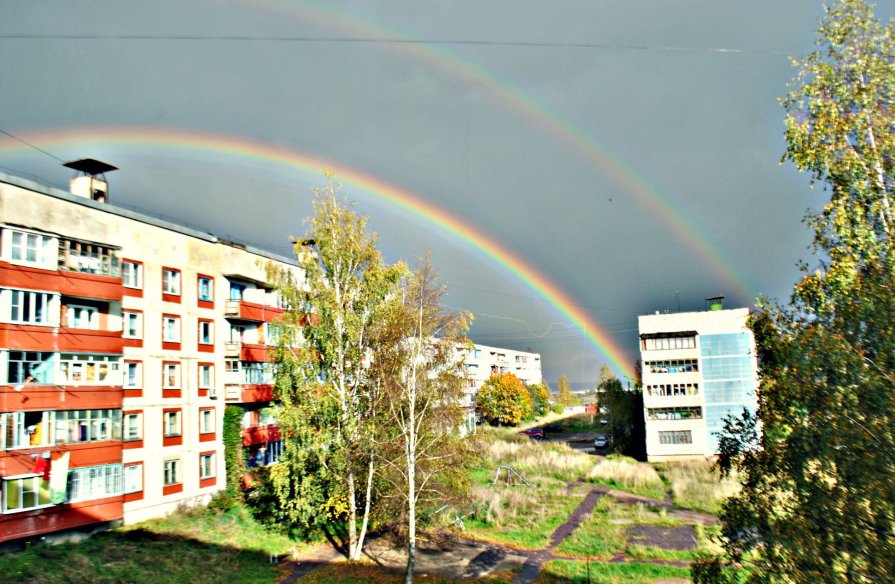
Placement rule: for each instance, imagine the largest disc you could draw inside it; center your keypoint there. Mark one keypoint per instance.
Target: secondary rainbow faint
(352, 26)
(224, 147)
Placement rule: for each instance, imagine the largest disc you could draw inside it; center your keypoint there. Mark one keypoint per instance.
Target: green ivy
(233, 456)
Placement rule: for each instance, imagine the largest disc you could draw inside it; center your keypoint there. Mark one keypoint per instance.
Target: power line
(383, 41)
(29, 144)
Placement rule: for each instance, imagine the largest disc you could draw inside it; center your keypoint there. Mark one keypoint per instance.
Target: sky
(569, 165)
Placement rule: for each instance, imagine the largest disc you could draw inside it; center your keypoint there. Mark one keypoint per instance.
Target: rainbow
(244, 149)
(671, 213)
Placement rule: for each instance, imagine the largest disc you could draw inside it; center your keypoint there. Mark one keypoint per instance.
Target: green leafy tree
(818, 497)
(540, 398)
(624, 412)
(504, 400)
(329, 402)
(427, 460)
(564, 393)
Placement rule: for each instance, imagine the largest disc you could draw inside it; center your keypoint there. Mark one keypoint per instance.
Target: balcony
(260, 434)
(248, 393)
(233, 393)
(232, 349)
(250, 311)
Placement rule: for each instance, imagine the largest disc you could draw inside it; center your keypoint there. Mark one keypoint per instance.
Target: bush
(558, 408)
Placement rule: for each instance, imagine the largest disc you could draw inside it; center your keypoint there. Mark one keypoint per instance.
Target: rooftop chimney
(90, 179)
(714, 303)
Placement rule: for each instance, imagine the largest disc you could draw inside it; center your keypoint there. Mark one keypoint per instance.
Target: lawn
(626, 474)
(344, 573)
(195, 546)
(696, 485)
(574, 571)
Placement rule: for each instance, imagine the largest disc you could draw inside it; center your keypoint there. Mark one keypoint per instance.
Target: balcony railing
(232, 349)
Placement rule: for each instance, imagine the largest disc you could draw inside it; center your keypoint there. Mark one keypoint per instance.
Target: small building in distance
(698, 367)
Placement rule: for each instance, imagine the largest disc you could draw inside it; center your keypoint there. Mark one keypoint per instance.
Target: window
(25, 493)
(133, 325)
(171, 329)
(89, 258)
(133, 374)
(132, 274)
(673, 389)
(94, 482)
(206, 376)
(82, 317)
(133, 478)
(693, 413)
(172, 423)
(133, 426)
(206, 289)
(171, 281)
(31, 248)
(171, 472)
(672, 366)
(237, 333)
(29, 367)
(33, 307)
(171, 375)
(206, 332)
(75, 426)
(676, 437)
(206, 421)
(80, 369)
(668, 343)
(254, 373)
(237, 291)
(206, 465)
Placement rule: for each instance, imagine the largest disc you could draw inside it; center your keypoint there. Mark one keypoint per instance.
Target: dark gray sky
(626, 152)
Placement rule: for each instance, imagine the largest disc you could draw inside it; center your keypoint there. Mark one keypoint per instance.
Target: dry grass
(627, 474)
(695, 485)
(538, 458)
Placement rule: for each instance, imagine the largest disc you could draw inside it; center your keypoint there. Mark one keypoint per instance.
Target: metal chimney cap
(90, 166)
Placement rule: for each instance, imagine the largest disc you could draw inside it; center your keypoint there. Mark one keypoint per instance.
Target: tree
(624, 412)
(564, 393)
(329, 402)
(818, 474)
(423, 384)
(540, 398)
(503, 399)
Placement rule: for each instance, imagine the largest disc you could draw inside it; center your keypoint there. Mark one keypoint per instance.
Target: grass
(695, 485)
(574, 571)
(195, 546)
(341, 572)
(626, 474)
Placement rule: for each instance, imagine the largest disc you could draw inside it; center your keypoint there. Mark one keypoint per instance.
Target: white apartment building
(122, 339)
(482, 361)
(698, 367)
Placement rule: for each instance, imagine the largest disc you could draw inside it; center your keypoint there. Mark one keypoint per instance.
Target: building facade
(122, 339)
(698, 367)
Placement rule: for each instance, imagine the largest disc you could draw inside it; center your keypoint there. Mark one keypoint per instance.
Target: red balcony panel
(252, 352)
(59, 397)
(60, 517)
(259, 312)
(90, 285)
(260, 434)
(256, 393)
(89, 341)
(138, 496)
(20, 461)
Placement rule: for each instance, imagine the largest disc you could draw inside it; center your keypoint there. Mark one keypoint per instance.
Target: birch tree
(423, 382)
(329, 400)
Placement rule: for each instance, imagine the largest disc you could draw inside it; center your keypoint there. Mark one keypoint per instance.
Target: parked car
(553, 428)
(601, 443)
(534, 433)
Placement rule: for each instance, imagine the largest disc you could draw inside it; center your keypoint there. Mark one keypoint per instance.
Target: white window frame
(137, 368)
(171, 329)
(128, 317)
(42, 307)
(206, 421)
(94, 482)
(135, 420)
(171, 471)
(92, 316)
(35, 488)
(132, 278)
(206, 376)
(206, 466)
(171, 282)
(209, 296)
(46, 248)
(172, 425)
(132, 478)
(45, 361)
(169, 371)
(75, 368)
(206, 339)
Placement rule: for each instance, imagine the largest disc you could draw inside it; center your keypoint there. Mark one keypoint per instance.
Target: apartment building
(122, 339)
(698, 367)
(482, 361)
